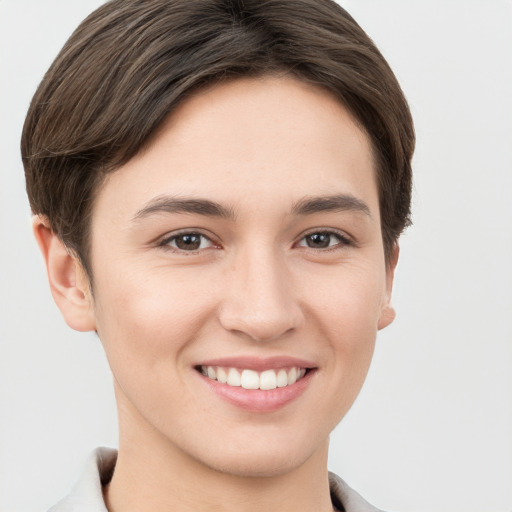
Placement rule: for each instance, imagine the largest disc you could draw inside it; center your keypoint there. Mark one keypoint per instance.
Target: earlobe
(386, 317)
(68, 282)
(388, 313)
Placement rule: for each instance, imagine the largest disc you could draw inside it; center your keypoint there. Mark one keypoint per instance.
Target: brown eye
(324, 240)
(188, 242)
(318, 240)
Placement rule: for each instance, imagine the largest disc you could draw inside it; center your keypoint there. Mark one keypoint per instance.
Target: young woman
(218, 188)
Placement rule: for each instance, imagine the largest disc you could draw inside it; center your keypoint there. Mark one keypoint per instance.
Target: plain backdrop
(432, 428)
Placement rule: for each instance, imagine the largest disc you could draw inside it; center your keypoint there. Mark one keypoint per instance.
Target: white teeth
(282, 379)
(233, 377)
(251, 379)
(222, 376)
(292, 376)
(268, 379)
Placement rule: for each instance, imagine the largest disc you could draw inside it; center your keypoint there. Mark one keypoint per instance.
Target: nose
(260, 301)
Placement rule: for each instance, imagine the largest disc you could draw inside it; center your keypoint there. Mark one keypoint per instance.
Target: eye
(324, 240)
(188, 242)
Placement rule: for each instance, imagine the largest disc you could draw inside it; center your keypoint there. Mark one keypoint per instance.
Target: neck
(153, 474)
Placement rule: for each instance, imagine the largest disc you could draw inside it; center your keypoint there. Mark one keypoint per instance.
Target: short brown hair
(131, 62)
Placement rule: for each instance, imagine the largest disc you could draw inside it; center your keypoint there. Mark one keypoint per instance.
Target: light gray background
(432, 429)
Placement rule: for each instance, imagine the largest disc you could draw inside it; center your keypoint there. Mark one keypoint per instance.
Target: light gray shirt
(87, 495)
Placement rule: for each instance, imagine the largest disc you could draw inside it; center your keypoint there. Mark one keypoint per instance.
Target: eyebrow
(306, 206)
(170, 204)
(335, 203)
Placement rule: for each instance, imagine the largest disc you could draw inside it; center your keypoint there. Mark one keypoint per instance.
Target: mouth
(251, 379)
(257, 385)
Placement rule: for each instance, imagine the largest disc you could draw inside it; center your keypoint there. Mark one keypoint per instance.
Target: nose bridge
(260, 301)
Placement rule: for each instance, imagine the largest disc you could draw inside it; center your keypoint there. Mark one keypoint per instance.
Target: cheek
(145, 320)
(145, 326)
(347, 308)
(348, 299)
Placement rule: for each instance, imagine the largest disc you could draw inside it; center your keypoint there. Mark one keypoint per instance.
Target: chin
(257, 466)
(261, 458)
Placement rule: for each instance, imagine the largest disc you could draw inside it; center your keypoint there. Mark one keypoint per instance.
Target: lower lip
(257, 400)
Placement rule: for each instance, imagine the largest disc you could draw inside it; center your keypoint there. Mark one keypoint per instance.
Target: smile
(251, 379)
(259, 385)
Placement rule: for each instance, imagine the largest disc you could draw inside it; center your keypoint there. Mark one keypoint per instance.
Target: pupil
(188, 242)
(319, 240)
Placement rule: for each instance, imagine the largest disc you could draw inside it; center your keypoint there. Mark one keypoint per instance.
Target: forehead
(261, 142)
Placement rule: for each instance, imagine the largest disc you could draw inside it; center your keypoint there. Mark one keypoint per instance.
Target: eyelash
(344, 241)
(165, 243)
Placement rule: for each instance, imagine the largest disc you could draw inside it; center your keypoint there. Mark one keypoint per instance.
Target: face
(239, 276)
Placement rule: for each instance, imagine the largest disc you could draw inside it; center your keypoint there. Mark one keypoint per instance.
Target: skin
(254, 287)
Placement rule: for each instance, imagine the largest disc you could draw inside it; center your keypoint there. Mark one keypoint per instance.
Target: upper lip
(259, 363)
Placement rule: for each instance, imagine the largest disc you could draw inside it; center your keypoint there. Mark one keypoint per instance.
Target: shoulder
(346, 499)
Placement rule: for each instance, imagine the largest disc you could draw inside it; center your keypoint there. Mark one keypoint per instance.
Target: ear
(388, 312)
(68, 282)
